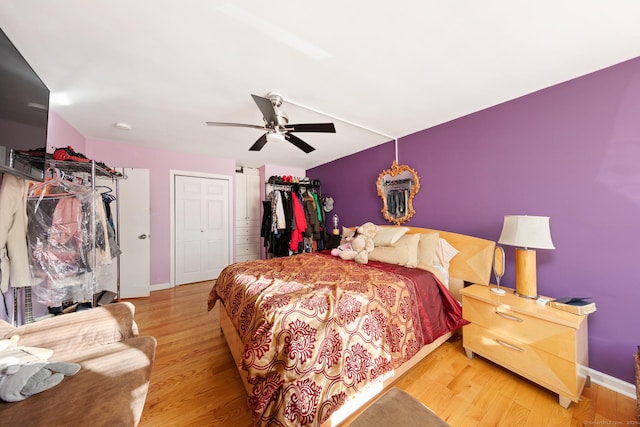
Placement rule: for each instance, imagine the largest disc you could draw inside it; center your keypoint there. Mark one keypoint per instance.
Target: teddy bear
(25, 371)
(357, 246)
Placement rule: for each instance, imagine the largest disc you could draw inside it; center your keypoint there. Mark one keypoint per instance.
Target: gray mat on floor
(397, 408)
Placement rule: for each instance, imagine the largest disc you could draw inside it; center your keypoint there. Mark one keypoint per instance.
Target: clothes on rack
(68, 236)
(111, 229)
(293, 220)
(14, 254)
(276, 223)
(313, 215)
(55, 237)
(397, 202)
(299, 218)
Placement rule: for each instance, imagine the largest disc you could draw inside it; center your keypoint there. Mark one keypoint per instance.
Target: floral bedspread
(317, 329)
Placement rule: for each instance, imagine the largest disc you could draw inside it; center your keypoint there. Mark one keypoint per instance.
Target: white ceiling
(166, 66)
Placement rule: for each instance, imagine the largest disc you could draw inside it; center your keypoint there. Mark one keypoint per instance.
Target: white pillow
(427, 249)
(444, 253)
(388, 236)
(404, 252)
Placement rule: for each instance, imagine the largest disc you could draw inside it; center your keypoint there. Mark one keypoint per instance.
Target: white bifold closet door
(201, 228)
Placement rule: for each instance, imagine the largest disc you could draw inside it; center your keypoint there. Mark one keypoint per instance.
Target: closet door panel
(201, 223)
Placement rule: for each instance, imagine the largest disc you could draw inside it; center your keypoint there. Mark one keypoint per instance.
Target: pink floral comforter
(317, 329)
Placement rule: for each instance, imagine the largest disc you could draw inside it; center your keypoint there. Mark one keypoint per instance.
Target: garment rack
(84, 174)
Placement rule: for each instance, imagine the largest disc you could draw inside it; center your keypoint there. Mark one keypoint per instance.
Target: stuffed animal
(25, 371)
(358, 246)
(344, 250)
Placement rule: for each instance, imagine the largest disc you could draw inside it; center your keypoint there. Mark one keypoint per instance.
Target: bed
(315, 337)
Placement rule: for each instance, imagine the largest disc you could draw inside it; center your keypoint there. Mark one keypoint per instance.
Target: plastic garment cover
(68, 241)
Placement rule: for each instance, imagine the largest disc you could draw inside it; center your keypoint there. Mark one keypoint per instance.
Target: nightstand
(543, 344)
(333, 241)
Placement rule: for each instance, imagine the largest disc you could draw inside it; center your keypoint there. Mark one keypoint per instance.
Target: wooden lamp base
(526, 282)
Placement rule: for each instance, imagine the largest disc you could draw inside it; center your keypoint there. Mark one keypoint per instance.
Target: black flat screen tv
(24, 115)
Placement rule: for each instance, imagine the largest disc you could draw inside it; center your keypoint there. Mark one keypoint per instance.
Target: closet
(72, 238)
(293, 219)
(247, 203)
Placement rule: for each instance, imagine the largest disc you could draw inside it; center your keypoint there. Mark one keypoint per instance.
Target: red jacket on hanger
(300, 222)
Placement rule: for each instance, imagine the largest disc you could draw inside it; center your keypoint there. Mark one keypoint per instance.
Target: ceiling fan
(276, 123)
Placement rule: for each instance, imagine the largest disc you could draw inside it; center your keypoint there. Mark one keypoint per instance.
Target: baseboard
(612, 383)
(160, 287)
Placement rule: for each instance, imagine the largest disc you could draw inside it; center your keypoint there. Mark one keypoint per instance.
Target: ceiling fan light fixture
(282, 118)
(277, 127)
(276, 137)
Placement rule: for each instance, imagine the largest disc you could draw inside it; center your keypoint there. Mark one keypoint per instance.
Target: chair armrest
(69, 333)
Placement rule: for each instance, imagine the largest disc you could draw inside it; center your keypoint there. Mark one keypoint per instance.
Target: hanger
(107, 189)
(108, 198)
(56, 188)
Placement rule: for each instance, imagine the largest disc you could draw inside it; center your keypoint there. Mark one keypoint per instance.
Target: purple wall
(571, 152)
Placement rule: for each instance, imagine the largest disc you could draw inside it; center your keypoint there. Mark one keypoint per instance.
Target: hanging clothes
(279, 217)
(292, 220)
(275, 223)
(319, 211)
(14, 254)
(297, 234)
(68, 237)
(311, 214)
(111, 229)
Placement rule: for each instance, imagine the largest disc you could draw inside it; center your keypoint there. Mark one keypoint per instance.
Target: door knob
(142, 236)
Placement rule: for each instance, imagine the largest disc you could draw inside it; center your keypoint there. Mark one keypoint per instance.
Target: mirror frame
(414, 186)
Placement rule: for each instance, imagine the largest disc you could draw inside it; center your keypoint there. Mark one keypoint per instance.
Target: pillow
(444, 253)
(404, 252)
(387, 236)
(346, 233)
(427, 250)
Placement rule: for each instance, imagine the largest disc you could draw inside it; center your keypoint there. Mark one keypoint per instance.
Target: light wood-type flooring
(195, 382)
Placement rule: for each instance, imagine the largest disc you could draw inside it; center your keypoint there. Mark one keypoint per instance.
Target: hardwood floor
(195, 382)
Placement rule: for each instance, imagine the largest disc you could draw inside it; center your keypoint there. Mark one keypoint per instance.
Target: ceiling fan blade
(257, 146)
(242, 125)
(298, 143)
(267, 109)
(312, 127)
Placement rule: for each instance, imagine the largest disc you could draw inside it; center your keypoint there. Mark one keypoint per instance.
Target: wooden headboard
(474, 260)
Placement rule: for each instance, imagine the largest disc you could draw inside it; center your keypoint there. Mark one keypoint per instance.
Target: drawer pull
(506, 344)
(508, 316)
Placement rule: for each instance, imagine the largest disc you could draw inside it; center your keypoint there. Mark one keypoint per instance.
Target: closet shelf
(38, 163)
(79, 167)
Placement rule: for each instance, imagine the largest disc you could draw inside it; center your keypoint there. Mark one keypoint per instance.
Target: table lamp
(526, 233)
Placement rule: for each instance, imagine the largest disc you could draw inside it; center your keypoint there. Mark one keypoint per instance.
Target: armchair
(111, 386)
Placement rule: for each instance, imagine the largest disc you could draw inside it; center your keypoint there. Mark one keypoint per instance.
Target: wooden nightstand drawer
(544, 368)
(501, 320)
(546, 345)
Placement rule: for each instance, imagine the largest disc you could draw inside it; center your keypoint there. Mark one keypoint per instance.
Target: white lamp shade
(526, 231)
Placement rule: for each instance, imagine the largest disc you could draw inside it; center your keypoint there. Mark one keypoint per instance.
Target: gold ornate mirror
(397, 187)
